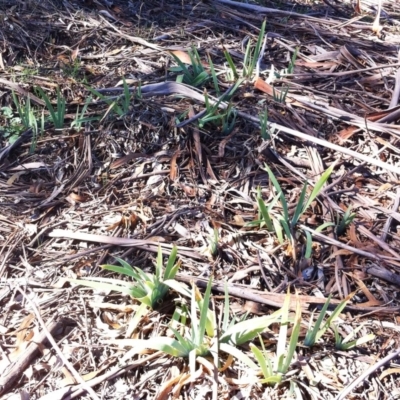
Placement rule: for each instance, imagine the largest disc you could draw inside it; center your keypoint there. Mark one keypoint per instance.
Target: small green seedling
(232, 74)
(81, 118)
(196, 75)
(290, 68)
(265, 134)
(147, 288)
(280, 95)
(252, 55)
(238, 332)
(274, 372)
(222, 117)
(119, 105)
(289, 222)
(193, 342)
(316, 332)
(345, 221)
(347, 343)
(57, 115)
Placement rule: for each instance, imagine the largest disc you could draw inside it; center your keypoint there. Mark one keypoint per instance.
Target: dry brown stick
(383, 245)
(262, 9)
(364, 253)
(335, 147)
(133, 39)
(9, 376)
(168, 88)
(125, 242)
(271, 299)
(383, 274)
(17, 88)
(343, 73)
(78, 390)
(379, 272)
(277, 299)
(389, 220)
(346, 391)
(394, 101)
(50, 338)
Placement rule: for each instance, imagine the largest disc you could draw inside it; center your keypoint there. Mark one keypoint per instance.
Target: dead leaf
(14, 177)
(379, 115)
(239, 221)
(184, 57)
(130, 222)
(70, 380)
(29, 166)
(21, 91)
(23, 336)
(126, 159)
(109, 319)
(357, 7)
(376, 27)
(388, 372)
(384, 187)
(167, 386)
(157, 239)
(74, 54)
(372, 301)
(260, 84)
(173, 175)
(190, 191)
(74, 198)
(347, 133)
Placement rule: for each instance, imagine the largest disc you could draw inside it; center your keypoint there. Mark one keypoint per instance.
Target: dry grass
(121, 185)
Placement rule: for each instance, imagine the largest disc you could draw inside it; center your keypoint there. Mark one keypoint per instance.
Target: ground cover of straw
(73, 198)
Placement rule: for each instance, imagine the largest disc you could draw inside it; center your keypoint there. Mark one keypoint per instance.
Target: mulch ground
(121, 185)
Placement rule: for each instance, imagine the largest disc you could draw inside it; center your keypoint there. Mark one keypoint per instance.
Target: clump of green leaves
(26, 119)
(343, 222)
(119, 105)
(266, 131)
(12, 128)
(238, 332)
(223, 117)
(274, 371)
(285, 223)
(189, 342)
(290, 69)
(252, 54)
(57, 115)
(195, 75)
(347, 343)
(251, 57)
(314, 333)
(200, 337)
(149, 289)
(81, 117)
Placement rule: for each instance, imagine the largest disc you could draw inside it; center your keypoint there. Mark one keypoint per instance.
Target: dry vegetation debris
(134, 164)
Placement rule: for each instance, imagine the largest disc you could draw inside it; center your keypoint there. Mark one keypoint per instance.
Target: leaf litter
(150, 155)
